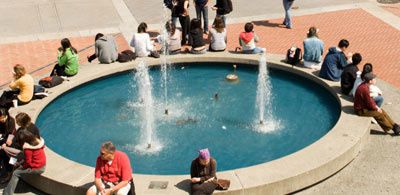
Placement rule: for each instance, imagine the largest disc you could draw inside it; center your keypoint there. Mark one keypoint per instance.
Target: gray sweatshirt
(106, 49)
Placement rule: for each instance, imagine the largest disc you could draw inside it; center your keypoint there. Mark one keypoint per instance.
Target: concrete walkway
(372, 29)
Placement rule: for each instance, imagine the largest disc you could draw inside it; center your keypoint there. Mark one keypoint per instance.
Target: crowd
(22, 149)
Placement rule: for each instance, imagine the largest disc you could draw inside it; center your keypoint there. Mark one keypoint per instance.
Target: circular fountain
(270, 119)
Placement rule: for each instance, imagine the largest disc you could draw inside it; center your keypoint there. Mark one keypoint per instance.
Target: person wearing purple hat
(364, 105)
(203, 173)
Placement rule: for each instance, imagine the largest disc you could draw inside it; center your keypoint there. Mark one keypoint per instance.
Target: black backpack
(126, 56)
(293, 55)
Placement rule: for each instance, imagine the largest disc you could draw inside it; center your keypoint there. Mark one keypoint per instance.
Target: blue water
(76, 123)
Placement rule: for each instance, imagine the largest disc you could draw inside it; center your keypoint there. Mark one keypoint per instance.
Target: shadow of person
(184, 185)
(348, 110)
(267, 23)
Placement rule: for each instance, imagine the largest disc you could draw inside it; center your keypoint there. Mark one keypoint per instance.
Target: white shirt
(142, 44)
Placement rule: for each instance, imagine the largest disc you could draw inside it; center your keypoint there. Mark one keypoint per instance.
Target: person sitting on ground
(374, 90)
(196, 39)
(7, 129)
(248, 40)
(21, 92)
(217, 36)
(364, 105)
(142, 43)
(113, 172)
(376, 93)
(203, 173)
(335, 61)
(68, 63)
(34, 159)
(349, 74)
(173, 43)
(105, 49)
(313, 50)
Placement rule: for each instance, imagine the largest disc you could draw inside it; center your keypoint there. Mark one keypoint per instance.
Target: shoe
(396, 129)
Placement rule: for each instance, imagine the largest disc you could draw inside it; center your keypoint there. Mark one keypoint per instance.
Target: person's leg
(289, 17)
(12, 184)
(91, 58)
(198, 12)
(258, 50)
(93, 190)
(383, 118)
(124, 190)
(379, 100)
(185, 29)
(58, 70)
(174, 20)
(205, 17)
(285, 7)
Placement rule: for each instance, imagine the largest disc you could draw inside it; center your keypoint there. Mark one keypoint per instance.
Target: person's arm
(149, 45)
(342, 62)
(132, 43)
(119, 186)
(186, 8)
(212, 174)
(256, 38)
(99, 185)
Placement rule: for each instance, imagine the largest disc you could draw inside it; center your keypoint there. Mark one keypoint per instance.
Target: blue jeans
(378, 100)
(287, 5)
(12, 184)
(223, 18)
(203, 10)
(256, 50)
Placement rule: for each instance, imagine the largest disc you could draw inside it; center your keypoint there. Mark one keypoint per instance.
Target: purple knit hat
(204, 154)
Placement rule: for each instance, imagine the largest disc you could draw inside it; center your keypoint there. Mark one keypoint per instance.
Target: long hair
(171, 28)
(219, 24)
(142, 28)
(195, 24)
(23, 120)
(65, 43)
(366, 69)
(25, 136)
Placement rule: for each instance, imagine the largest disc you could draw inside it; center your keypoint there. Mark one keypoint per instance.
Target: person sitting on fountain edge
(113, 172)
(203, 173)
(364, 105)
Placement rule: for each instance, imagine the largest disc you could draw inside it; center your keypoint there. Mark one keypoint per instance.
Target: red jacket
(362, 99)
(35, 158)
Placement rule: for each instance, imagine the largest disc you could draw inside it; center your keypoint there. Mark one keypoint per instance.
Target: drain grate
(388, 1)
(158, 185)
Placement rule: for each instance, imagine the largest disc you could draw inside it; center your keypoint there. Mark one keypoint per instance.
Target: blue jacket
(333, 65)
(313, 49)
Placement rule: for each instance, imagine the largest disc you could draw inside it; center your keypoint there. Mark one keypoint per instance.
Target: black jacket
(348, 78)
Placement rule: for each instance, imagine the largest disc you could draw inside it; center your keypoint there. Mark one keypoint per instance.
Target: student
(105, 49)
(223, 8)
(203, 173)
(68, 63)
(113, 172)
(172, 5)
(335, 61)
(364, 105)
(217, 36)
(7, 131)
(202, 9)
(287, 5)
(360, 77)
(34, 159)
(142, 43)
(184, 19)
(313, 50)
(173, 42)
(196, 39)
(21, 92)
(248, 40)
(349, 74)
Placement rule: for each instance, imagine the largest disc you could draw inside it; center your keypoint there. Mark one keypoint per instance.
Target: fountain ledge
(288, 174)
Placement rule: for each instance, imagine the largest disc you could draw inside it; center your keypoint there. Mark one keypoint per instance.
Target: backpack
(230, 7)
(126, 56)
(51, 81)
(293, 55)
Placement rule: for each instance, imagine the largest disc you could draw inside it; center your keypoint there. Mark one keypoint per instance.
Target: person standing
(223, 7)
(202, 9)
(287, 5)
(184, 19)
(172, 5)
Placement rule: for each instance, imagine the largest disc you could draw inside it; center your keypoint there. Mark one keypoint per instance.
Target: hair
(356, 58)
(108, 146)
(142, 28)
(195, 24)
(23, 119)
(171, 28)
(25, 136)
(219, 24)
(4, 112)
(98, 36)
(312, 32)
(343, 43)
(19, 70)
(248, 27)
(65, 43)
(366, 69)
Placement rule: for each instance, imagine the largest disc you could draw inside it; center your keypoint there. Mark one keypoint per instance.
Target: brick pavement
(373, 38)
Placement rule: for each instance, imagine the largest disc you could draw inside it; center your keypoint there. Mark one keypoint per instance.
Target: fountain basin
(287, 174)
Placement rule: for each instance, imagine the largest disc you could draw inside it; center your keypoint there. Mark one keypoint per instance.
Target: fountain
(164, 38)
(263, 99)
(143, 79)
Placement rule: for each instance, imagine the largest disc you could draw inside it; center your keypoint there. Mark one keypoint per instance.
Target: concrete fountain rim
(288, 174)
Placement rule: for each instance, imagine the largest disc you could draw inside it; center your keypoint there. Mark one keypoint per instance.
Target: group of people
(340, 66)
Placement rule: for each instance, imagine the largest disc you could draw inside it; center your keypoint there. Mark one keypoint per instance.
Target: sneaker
(396, 129)
(374, 121)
